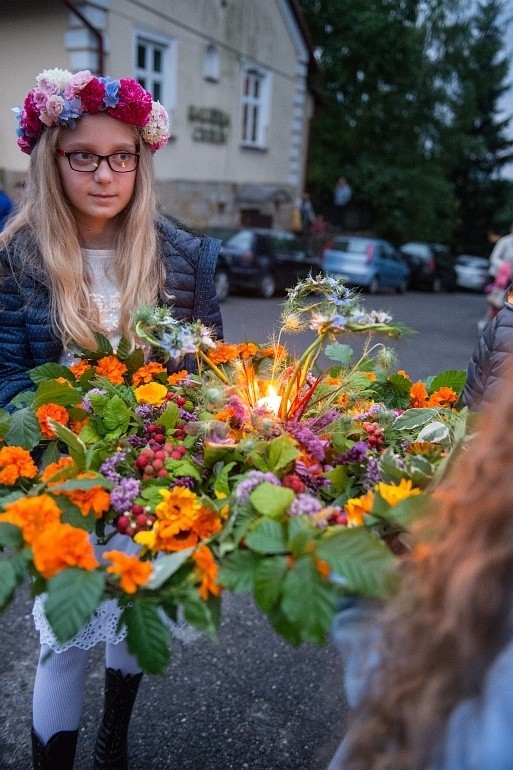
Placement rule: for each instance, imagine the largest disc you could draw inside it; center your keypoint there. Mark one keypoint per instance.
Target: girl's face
(97, 197)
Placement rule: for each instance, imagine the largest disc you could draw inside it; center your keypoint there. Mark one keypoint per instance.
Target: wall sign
(209, 124)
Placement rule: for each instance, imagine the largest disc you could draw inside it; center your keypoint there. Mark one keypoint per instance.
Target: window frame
(259, 104)
(168, 75)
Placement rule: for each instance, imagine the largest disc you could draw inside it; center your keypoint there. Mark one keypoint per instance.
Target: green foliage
(72, 597)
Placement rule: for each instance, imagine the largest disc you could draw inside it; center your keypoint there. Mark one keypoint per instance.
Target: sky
(507, 100)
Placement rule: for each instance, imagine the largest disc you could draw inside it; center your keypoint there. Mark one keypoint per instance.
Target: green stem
(313, 348)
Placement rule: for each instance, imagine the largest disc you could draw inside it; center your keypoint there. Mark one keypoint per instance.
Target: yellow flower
(357, 507)
(153, 393)
(394, 493)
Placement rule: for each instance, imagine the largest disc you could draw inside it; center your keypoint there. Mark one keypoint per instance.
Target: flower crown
(60, 98)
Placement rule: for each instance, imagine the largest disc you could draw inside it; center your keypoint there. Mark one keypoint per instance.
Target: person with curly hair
(84, 250)
(430, 677)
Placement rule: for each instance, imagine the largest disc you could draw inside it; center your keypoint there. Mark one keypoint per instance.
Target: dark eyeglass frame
(99, 159)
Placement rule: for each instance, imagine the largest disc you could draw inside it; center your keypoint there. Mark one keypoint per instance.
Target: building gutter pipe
(96, 32)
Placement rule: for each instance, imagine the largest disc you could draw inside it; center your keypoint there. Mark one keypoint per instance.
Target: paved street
(250, 702)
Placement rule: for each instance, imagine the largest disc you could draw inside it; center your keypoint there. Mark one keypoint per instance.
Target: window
(155, 67)
(211, 64)
(255, 106)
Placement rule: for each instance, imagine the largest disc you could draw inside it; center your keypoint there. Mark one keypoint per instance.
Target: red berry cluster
(152, 458)
(340, 517)
(135, 520)
(375, 434)
(292, 481)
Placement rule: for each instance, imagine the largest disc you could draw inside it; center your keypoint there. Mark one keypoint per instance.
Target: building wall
(200, 181)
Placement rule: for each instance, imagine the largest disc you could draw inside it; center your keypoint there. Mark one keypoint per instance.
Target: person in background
(6, 208)
(342, 195)
(430, 680)
(502, 253)
(84, 250)
(307, 214)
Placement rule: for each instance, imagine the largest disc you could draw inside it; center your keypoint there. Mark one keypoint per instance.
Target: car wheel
(222, 284)
(402, 286)
(267, 286)
(374, 285)
(436, 286)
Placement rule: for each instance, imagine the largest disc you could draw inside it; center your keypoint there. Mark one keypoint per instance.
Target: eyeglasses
(120, 162)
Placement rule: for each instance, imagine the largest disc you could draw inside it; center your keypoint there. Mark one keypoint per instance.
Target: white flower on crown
(53, 81)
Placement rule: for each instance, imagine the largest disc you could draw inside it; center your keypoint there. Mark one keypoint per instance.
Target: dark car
(432, 266)
(267, 260)
(371, 263)
(222, 274)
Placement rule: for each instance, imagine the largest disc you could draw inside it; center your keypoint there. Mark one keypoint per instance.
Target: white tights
(60, 683)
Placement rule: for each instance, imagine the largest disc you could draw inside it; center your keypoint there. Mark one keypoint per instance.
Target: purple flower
(108, 467)
(372, 476)
(304, 505)
(318, 423)
(245, 487)
(312, 443)
(123, 496)
(356, 454)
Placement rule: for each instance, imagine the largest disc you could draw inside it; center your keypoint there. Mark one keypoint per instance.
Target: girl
(85, 250)
(434, 692)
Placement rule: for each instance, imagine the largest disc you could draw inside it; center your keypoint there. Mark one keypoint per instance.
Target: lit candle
(271, 401)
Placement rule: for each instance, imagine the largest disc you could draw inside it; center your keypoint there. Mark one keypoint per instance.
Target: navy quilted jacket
(489, 365)
(27, 338)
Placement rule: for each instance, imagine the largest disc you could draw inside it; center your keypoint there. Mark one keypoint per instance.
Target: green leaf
(309, 601)
(182, 468)
(342, 354)
(281, 452)
(237, 571)
(271, 500)
(24, 429)
(300, 534)
(10, 535)
(409, 509)
(123, 349)
(8, 582)
(89, 434)
(51, 454)
(147, 636)
(435, 432)
(49, 371)
(76, 447)
(282, 625)
(72, 484)
(414, 418)
(222, 480)
(50, 391)
(361, 558)
(5, 419)
(202, 615)
(169, 416)
(116, 415)
(73, 595)
(268, 581)
(71, 514)
(338, 478)
(453, 378)
(267, 537)
(166, 566)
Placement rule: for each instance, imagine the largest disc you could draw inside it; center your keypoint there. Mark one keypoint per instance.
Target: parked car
(431, 266)
(267, 260)
(472, 272)
(371, 263)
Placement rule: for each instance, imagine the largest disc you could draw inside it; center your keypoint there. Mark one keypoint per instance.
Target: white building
(233, 74)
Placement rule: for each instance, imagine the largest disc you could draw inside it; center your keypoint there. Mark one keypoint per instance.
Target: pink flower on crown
(54, 107)
(77, 83)
(92, 95)
(31, 123)
(134, 105)
(155, 132)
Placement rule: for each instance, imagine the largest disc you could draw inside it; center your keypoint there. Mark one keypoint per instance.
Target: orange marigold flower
(323, 568)
(79, 368)
(273, 351)
(333, 381)
(247, 349)
(206, 564)
(418, 395)
(111, 368)
(443, 396)
(15, 462)
(61, 546)
(146, 373)
(77, 425)
(225, 414)
(56, 412)
(357, 507)
(53, 468)
(131, 570)
(154, 393)
(223, 353)
(206, 523)
(177, 377)
(404, 374)
(370, 376)
(33, 515)
(95, 500)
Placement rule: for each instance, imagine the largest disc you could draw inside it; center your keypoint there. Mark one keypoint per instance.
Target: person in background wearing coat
(430, 680)
(6, 208)
(342, 195)
(83, 252)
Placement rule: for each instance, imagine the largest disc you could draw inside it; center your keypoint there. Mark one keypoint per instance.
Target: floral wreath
(60, 98)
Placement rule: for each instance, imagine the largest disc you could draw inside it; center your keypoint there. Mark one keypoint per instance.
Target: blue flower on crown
(111, 91)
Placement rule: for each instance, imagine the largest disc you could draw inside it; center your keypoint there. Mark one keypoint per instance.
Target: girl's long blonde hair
(454, 612)
(46, 213)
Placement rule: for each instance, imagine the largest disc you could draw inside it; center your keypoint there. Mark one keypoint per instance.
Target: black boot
(57, 754)
(111, 750)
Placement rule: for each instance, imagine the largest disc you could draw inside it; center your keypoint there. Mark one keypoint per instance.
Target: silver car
(472, 272)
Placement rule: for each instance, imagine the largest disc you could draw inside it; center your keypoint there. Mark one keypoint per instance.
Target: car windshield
(416, 249)
(352, 245)
(241, 240)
